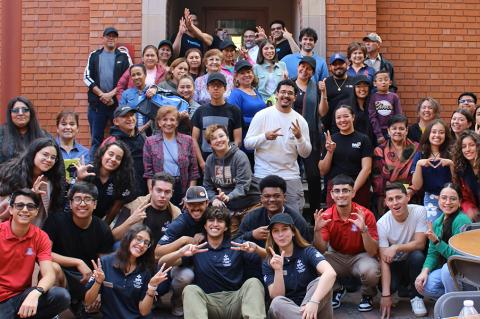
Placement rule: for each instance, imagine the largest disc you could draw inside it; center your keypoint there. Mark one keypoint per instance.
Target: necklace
(339, 87)
(435, 155)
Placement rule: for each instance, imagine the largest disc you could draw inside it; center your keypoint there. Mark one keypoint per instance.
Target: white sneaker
(418, 307)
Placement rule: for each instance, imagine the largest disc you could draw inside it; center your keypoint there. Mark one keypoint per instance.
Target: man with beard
(284, 42)
(308, 37)
(104, 68)
(250, 45)
(346, 233)
(335, 88)
(279, 135)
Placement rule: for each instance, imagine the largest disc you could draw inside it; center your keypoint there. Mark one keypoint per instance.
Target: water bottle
(468, 309)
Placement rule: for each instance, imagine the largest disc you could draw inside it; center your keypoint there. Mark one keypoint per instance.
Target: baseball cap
(165, 42)
(242, 64)
(281, 218)
(309, 60)
(109, 30)
(122, 110)
(227, 43)
(361, 78)
(216, 76)
(373, 37)
(338, 56)
(196, 194)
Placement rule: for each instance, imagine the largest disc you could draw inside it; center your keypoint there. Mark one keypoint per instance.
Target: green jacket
(442, 248)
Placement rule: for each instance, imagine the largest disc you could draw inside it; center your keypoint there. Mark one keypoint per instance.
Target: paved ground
(348, 310)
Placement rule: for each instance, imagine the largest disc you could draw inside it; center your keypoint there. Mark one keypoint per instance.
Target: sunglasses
(20, 110)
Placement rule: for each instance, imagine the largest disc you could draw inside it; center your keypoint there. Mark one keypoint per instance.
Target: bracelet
(151, 295)
(386, 296)
(152, 287)
(315, 302)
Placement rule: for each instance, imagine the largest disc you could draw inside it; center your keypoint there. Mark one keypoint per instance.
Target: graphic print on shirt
(137, 283)
(383, 107)
(29, 251)
(300, 267)
(226, 261)
(223, 175)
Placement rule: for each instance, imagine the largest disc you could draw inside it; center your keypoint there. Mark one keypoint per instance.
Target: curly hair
(122, 177)
(13, 143)
(425, 145)
(18, 173)
(460, 161)
(145, 261)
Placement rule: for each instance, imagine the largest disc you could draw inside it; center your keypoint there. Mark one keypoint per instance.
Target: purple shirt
(381, 108)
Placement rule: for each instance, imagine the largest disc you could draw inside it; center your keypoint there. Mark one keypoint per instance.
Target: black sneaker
(337, 297)
(366, 304)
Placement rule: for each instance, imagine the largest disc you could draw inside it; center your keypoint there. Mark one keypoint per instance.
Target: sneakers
(418, 307)
(366, 304)
(177, 306)
(337, 297)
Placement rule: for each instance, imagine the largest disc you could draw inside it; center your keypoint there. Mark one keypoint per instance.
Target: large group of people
(205, 198)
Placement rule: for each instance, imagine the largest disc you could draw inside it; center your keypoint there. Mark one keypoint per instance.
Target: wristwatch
(365, 229)
(40, 290)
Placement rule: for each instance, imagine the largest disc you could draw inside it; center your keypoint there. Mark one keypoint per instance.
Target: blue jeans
(98, 117)
(406, 271)
(50, 304)
(438, 283)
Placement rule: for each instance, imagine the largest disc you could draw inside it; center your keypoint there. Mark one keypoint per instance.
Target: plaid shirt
(153, 158)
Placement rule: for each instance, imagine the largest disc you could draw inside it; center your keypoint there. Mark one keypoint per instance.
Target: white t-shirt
(279, 156)
(391, 232)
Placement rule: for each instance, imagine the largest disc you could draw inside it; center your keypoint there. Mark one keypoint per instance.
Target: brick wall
(57, 38)
(435, 48)
(347, 21)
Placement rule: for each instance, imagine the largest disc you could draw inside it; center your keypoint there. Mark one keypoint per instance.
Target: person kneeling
(291, 274)
(219, 290)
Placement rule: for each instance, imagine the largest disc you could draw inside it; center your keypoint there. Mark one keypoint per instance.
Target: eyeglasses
(462, 101)
(145, 242)
(21, 110)
(49, 156)
(20, 206)
(78, 200)
(341, 191)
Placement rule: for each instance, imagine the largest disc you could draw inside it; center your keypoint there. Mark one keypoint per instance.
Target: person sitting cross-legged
(351, 232)
(219, 289)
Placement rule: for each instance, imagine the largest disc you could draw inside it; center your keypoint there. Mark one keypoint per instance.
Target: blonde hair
(165, 110)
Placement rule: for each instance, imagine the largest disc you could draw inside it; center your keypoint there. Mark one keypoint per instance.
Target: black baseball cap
(281, 218)
(166, 42)
(242, 64)
(309, 60)
(109, 30)
(217, 76)
(196, 194)
(227, 43)
(361, 79)
(122, 110)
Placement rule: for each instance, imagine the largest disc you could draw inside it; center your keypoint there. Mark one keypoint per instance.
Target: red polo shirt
(343, 235)
(18, 256)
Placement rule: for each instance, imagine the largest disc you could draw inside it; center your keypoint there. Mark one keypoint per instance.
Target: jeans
(98, 117)
(438, 283)
(406, 271)
(50, 304)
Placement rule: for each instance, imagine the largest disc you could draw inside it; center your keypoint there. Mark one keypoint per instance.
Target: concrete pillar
(154, 21)
(313, 15)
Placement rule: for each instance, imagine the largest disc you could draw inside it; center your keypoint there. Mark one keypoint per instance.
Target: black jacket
(91, 76)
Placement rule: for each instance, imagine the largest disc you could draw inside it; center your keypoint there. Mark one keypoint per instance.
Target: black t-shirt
(298, 103)
(108, 193)
(283, 49)
(349, 151)
(72, 241)
(188, 42)
(156, 220)
(228, 115)
(335, 95)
